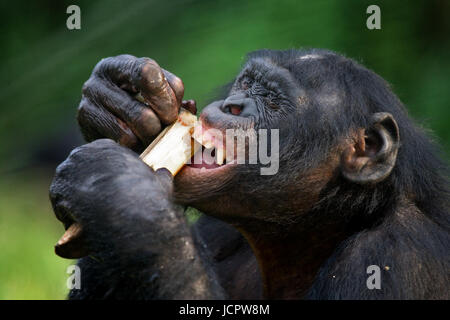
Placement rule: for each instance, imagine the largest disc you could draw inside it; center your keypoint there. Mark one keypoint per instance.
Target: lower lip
(204, 169)
(208, 167)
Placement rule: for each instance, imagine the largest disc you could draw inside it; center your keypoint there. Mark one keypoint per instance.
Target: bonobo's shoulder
(230, 256)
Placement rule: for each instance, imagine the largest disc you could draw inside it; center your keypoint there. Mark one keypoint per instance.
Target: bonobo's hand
(112, 196)
(138, 242)
(109, 107)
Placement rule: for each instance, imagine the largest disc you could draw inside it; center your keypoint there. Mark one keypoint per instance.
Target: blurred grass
(29, 269)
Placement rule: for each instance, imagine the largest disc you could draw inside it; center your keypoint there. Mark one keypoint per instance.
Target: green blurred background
(43, 66)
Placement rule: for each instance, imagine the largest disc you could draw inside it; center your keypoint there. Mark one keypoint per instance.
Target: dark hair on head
(420, 174)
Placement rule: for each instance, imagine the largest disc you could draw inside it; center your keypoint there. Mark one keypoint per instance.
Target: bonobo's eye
(245, 83)
(270, 101)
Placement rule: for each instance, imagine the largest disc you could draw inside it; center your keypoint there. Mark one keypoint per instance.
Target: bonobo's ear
(372, 158)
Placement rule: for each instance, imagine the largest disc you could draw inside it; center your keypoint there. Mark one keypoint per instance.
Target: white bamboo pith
(174, 146)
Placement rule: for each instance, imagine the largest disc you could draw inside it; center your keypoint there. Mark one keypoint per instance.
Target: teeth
(177, 143)
(209, 141)
(220, 156)
(202, 137)
(207, 144)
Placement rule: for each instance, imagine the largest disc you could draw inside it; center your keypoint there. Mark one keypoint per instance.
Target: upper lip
(206, 135)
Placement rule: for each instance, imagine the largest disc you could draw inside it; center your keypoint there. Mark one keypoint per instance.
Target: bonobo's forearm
(146, 261)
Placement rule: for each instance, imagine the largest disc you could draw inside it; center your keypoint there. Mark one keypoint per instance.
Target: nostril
(235, 109)
(234, 104)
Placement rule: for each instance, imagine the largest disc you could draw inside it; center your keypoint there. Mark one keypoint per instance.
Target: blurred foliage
(29, 269)
(204, 42)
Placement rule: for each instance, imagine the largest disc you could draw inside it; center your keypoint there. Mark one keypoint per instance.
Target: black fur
(316, 98)
(140, 246)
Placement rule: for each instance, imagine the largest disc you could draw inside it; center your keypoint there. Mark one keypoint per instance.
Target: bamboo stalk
(174, 146)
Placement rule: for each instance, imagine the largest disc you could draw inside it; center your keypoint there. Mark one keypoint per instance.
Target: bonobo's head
(345, 142)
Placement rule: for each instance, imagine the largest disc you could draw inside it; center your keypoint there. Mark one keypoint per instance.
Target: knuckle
(178, 87)
(86, 115)
(87, 87)
(146, 69)
(81, 115)
(128, 139)
(125, 57)
(147, 127)
(133, 110)
(110, 64)
(84, 108)
(146, 61)
(177, 82)
(100, 66)
(150, 120)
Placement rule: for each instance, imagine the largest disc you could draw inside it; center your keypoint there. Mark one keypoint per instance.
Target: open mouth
(201, 162)
(211, 157)
(212, 153)
(198, 172)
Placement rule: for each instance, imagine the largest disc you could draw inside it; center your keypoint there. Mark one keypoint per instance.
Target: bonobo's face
(265, 95)
(333, 129)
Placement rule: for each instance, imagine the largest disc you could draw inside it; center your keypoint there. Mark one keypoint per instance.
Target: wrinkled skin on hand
(95, 170)
(358, 184)
(109, 108)
(132, 223)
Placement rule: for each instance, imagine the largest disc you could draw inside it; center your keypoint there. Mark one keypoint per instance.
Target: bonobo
(359, 185)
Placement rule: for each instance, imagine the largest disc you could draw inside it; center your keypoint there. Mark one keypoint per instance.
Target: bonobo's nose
(239, 105)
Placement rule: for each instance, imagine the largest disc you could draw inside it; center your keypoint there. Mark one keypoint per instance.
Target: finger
(120, 70)
(176, 84)
(142, 75)
(97, 123)
(190, 106)
(164, 177)
(157, 91)
(142, 120)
